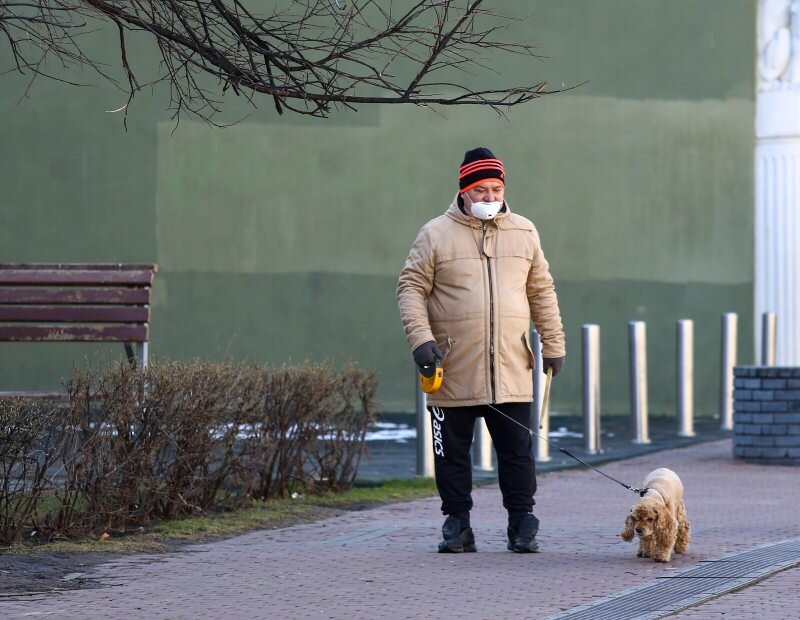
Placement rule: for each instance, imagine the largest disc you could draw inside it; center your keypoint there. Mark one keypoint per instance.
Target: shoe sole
(523, 549)
(467, 549)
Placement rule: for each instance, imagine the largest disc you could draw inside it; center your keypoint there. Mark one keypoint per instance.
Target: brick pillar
(766, 414)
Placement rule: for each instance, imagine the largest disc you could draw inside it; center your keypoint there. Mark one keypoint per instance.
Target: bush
(305, 428)
(31, 441)
(182, 438)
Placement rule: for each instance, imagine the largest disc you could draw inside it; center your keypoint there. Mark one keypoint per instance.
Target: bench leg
(142, 354)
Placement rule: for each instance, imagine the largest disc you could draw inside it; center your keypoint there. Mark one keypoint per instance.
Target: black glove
(427, 354)
(556, 363)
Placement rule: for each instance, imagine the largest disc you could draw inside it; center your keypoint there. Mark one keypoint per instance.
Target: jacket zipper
(491, 319)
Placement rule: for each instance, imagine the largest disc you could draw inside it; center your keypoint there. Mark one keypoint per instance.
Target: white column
(777, 178)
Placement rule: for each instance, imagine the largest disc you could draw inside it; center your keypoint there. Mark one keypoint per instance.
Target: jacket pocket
(446, 347)
(531, 356)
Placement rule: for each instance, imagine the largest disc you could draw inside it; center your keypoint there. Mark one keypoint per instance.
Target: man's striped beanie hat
(479, 164)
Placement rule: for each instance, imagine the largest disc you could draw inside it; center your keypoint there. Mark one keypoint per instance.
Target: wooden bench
(76, 303)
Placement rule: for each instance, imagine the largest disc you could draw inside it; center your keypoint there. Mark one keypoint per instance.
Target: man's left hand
(556, 363)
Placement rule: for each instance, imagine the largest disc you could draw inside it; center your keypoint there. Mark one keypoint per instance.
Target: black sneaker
(523, 539)
(456, 540)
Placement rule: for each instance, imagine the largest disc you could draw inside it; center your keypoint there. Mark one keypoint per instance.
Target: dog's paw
(661, 558)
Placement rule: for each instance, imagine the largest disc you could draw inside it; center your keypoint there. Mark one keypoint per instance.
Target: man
(474, 279)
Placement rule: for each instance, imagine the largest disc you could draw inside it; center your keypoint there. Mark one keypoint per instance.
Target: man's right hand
(427, 354)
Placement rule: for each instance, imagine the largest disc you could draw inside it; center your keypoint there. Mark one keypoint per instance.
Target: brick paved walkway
(381, 563)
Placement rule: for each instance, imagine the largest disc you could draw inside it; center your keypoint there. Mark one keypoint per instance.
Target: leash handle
(546, 398)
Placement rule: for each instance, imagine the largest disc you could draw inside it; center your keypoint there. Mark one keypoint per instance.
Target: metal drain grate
(696, 584)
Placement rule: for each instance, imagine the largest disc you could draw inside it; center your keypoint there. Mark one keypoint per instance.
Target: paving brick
(773, 384)
(773, 407)
(747, 383)
(764, 440)
(774, 429)
(746, 406)
(788, 441)
(774, 453)
(745, 429)
(761, 394)
(763, 418)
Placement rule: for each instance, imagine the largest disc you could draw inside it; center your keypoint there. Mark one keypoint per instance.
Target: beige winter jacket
(474, 287)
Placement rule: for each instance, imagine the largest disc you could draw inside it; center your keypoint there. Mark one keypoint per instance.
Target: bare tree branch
(308, 56)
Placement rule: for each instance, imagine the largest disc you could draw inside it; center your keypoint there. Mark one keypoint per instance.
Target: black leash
(641, 492)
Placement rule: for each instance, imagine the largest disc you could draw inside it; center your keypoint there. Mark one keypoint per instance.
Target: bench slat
(65, 277)
(69, 295)
(82, 266)
(77, 333)
(75, 314)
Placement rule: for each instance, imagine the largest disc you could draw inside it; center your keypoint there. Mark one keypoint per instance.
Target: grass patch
(382, 492)
(130, 543)
(269, 514)
(302, 509)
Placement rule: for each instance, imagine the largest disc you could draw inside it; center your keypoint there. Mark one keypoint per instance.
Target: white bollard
(769, 338)
(482, 446)
(685, 374)
(424, 433)
(590, 342)
(637, 335)
(540, 427)
(727, 362)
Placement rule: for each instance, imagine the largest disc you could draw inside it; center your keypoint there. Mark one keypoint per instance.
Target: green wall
(282, 237)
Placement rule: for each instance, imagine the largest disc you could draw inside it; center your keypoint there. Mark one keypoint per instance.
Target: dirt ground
(46, 572)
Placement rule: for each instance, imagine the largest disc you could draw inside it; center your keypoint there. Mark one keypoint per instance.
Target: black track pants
(453, 429)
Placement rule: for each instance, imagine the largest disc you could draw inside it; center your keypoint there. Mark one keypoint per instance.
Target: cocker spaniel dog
(659, 517)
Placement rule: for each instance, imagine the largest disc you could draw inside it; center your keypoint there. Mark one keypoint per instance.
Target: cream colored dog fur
(659, 518)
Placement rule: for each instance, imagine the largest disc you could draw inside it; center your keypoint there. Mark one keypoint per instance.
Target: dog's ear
(665, 528)
(627, 533)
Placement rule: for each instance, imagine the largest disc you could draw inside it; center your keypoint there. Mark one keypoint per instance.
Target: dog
(659, 517)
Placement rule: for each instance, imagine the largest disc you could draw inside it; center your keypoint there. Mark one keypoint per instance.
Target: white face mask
(486, 210)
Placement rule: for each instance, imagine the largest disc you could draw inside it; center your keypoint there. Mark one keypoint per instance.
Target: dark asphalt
(396, 458)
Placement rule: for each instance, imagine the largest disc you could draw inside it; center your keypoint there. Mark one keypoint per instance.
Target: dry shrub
(305, 430)
(180, 438)
(31, 440)
(336, 453)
